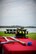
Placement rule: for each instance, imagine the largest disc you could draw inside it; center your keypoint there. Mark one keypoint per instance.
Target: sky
(18, 12)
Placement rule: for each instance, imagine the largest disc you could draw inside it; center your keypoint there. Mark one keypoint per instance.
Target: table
(17, 48)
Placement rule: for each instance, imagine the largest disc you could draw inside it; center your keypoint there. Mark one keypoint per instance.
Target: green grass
(3, 34)
(31, 35)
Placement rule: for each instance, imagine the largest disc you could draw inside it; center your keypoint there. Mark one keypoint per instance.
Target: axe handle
(5, 38)
(10, 41)
(18, 40)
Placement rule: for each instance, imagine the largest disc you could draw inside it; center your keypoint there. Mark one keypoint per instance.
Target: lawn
(31, 35)
(3, 34)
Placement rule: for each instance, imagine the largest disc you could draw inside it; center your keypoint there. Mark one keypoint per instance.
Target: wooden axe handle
(18, 40)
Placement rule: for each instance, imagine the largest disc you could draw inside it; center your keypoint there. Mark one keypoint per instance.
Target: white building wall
(28, 29)
(4, 29)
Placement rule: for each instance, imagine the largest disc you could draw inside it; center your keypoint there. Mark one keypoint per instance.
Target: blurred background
(18, 12)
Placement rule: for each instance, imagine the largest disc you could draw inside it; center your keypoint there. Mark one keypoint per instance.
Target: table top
(19, 47)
